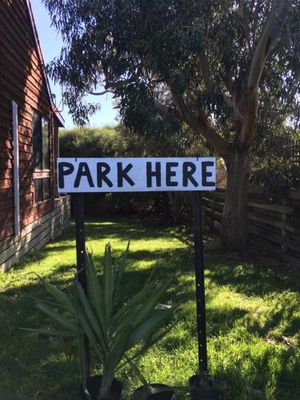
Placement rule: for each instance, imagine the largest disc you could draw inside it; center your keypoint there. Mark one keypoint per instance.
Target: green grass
(253, 319)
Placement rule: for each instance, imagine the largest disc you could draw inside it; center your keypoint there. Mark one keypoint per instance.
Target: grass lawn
(253, 319)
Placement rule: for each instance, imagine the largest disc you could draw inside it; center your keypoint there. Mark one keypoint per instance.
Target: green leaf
(65, 322)
(51, 332)
(139, 374)
(120, 346)
(86, 327)
(83, 366)
(92, 319)
(151, 304)
(108, 282)
(120, 265)
(144, 330)
(96, 296)
(59, 296)
(133, 304)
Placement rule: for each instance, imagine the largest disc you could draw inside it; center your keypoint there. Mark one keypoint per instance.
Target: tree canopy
(213, 65)
(168, 61)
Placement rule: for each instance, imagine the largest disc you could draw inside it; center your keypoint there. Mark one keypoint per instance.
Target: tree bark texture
(234, 227)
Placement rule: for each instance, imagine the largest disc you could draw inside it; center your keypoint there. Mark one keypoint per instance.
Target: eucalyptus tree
(209, 64)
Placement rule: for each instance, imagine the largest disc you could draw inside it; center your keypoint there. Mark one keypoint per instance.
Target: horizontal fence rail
(279, 225)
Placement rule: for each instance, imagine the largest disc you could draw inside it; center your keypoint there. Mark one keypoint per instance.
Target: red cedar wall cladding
(21, 80)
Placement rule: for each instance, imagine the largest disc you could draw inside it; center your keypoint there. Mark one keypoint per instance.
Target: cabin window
(42, 189)
(41, 136)
(41, 157)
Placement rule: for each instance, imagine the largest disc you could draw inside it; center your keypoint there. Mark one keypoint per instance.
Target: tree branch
(199, 123)
(245, 24)
(206, 73)
(161, 108)
(100, 93)
(211, 86)
(270, 33)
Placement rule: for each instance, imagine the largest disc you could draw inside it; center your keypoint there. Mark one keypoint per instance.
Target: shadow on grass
(59, 243)
(124, 229)
(271, 328)
(247, 376)
(28, 357)
(250, 279)
(109, 230)
(26, 360)
(218, 322)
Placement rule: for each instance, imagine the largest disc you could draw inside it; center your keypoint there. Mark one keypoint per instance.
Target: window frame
(40, 171)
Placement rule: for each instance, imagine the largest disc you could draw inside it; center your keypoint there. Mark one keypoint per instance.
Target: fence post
(283, 234)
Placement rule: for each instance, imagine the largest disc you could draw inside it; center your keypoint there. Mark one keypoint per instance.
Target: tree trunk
(234, 227)
(174, 208)
(234, 230)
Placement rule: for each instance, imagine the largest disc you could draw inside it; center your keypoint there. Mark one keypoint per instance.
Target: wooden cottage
(31, 212)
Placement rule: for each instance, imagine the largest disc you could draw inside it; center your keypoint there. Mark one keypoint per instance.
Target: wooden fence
(279, 225)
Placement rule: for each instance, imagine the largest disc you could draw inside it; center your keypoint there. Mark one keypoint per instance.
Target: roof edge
(55, 111)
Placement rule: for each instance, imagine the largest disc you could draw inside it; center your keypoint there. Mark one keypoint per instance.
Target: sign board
(81, 175)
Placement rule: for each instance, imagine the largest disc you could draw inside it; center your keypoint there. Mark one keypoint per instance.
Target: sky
(51, 44)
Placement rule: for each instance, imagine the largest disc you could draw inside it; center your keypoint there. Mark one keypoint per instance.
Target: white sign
(80, 175)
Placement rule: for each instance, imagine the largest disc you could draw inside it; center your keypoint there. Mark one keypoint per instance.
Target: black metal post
(199, 275)
(78, 201)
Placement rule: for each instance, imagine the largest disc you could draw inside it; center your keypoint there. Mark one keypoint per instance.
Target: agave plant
(113, 325)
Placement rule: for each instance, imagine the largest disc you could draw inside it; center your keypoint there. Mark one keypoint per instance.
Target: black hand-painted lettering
(207, 174)
(188, 170)
(83, 171)
(155, 173)
(123, 174)
(64, 169)
(170, 173)
(103, 169)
